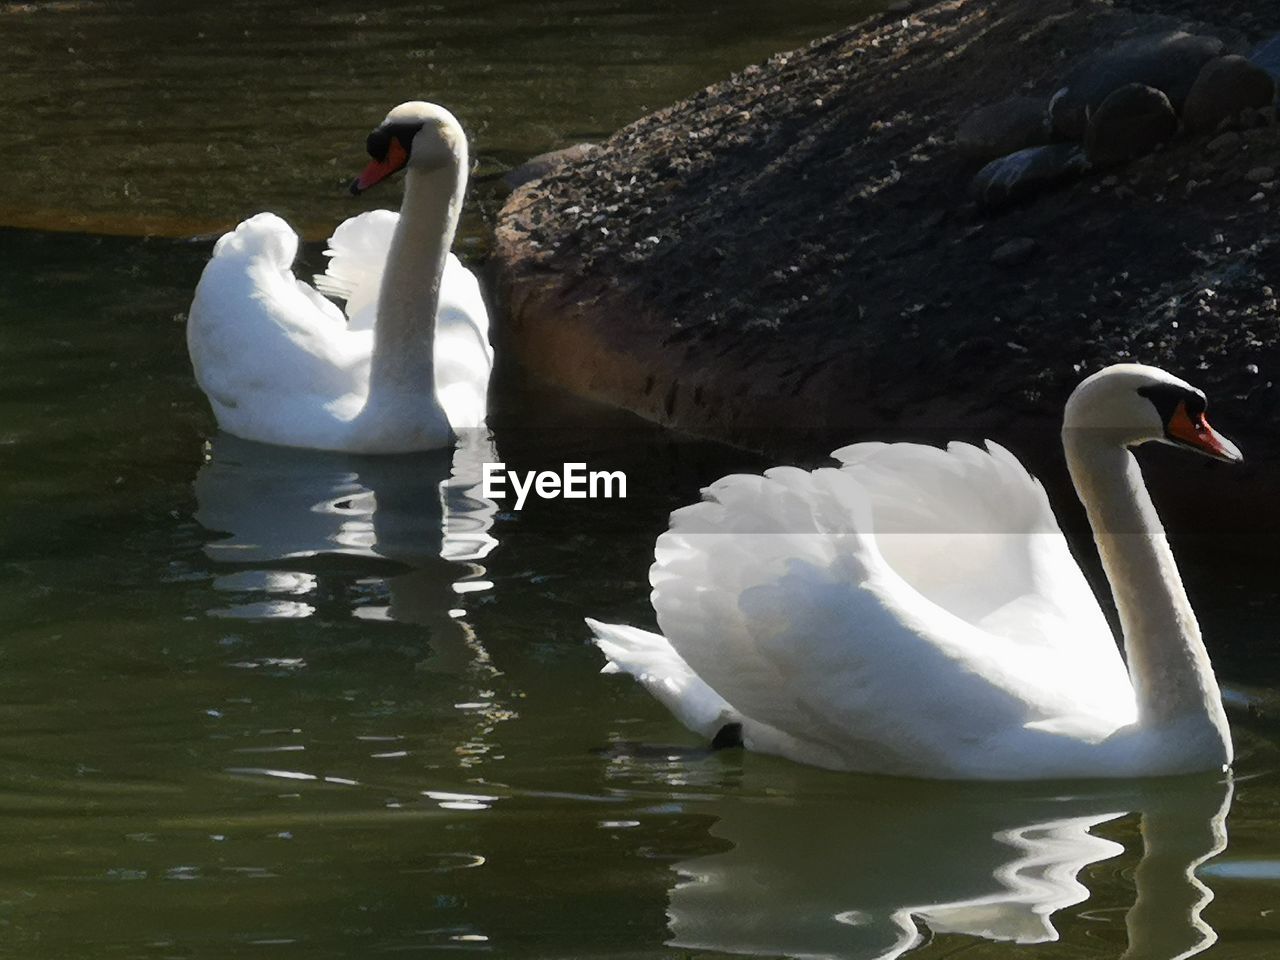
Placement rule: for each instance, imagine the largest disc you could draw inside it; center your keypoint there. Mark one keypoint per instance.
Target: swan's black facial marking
(1181, 412)
(1165, 397)
(379, 142)
(389, 146)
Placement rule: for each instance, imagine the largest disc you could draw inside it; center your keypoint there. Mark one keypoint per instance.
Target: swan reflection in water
(869, 874)
(423, 512)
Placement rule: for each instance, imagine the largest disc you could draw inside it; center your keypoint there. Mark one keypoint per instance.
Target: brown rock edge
(789, 260)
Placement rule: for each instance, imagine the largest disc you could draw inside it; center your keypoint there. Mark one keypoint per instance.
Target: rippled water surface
(262, 703)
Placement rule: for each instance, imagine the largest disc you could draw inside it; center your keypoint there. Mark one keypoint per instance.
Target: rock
(1132, 121)
(1225, 88)
(1261, 175)
(535, 168)
(1025, 174)
(901, 6)
(1224, 142)
(1251, 119)
(1005, 127)
(1169, 62)
(1267, 56)
(1015, 252)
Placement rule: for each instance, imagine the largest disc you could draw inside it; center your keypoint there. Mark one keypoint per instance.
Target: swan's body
(918, 612)
(405, 368)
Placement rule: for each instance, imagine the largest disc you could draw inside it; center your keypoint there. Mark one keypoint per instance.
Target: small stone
(901, 7)
(1170, 62)
(1225, 88)
(1132, 121)
(1224, 142)
(1261, 175)
(1015, 252)
(1251, 368)
(1251, 119)
(1027, 173)
(1002, 128)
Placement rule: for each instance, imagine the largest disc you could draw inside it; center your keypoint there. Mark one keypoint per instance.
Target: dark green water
(254, 703)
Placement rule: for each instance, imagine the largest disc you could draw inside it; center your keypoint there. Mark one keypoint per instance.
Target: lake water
(262, 703)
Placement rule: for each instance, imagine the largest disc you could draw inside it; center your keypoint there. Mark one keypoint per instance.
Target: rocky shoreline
(806, 253)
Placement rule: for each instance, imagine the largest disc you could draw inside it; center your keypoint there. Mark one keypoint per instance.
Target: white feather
(916, 611)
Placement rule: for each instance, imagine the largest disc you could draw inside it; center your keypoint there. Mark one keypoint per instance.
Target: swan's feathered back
(256, 333)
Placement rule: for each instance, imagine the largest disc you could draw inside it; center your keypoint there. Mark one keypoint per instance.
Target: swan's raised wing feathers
(785, 595)
(357, 254)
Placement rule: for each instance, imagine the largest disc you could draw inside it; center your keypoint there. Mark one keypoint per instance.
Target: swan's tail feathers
(263, 235)
(654, 662)
(357, 255)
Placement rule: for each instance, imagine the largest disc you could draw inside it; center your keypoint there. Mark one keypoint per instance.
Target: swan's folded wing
(357, 254)
(775, 592)
(463, 356)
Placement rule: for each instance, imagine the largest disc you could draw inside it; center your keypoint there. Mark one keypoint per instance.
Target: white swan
(281, 364)
(918, 612)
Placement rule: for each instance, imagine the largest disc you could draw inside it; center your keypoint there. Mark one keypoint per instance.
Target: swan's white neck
(1168, 664)
(404, 335)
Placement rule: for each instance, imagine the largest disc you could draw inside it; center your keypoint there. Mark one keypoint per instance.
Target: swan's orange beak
(379, 170)
(1195, 432)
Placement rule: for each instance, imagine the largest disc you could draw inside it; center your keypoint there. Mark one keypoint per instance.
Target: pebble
(1261, 175)
(1015, 252)
(1132, 121)
(1169, 62)
(1225, 88)
(1002, 128)
(1027, 173)
(1224, 142)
